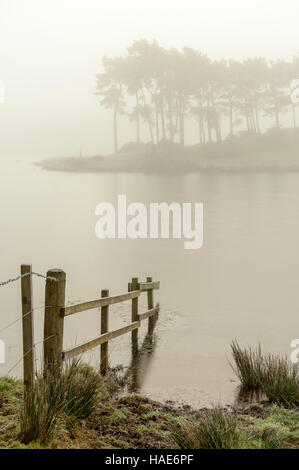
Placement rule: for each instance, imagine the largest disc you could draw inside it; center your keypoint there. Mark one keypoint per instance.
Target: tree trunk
(216, 119)
(231, 116)
(252, 120)
(276, 111)
(209, 122)
(177, 115)
(203, 132)
(257, 120)
(277, 117)
(247, 116)
(170, 118)
(150, 128)
(219, 128)
(163, 122)
(137, 118)
(115, 129)
(181, 121)
(201, 128)
(157, 123)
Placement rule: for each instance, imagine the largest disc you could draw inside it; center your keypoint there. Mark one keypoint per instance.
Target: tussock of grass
(274, 376)
(71, 395)
(40, 412)
(248, 366)
(280, 381)
(214, 429)
(81, 386)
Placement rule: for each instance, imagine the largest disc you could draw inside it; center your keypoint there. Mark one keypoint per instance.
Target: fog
(189, 102)
(51, 51)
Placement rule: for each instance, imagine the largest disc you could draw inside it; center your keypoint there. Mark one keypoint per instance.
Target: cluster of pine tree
(161, 88)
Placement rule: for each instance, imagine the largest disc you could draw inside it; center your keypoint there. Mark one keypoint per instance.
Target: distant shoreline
(275, 151)
(54, 165)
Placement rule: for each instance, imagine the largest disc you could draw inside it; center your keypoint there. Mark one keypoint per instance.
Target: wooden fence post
(54, 321)
(28, 328)
(150, 305)
(135, 317)
(104, 329)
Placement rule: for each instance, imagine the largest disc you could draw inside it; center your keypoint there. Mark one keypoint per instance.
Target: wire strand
(50, 278)
(26, 353)
(24, 316)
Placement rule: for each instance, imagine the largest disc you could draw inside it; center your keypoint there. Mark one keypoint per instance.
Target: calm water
(242, 284)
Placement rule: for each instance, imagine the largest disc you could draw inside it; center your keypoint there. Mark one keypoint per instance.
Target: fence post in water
(104, 329)
(54, 320)
(27, 326)
(150, 305)
(135, 317)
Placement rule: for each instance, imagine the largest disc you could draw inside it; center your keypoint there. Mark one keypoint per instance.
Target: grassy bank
(85, 410)
(276, 150)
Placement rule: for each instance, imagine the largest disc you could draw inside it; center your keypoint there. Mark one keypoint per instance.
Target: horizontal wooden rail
(149, 285)
(65, 311)
(55, 314)
(54, 319)
(69, 353)
(149, 313)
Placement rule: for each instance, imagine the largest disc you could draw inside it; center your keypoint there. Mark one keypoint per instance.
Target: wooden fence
(56, 310)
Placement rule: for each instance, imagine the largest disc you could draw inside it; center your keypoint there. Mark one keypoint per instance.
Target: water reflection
(141, 359)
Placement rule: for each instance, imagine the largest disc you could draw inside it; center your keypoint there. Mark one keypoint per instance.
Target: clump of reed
(280, 381)
(213, 429)
(248, 366)
(72, 394)
(274, 376)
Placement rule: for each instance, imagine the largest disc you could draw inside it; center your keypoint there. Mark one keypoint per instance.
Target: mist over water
(180, 92)
(240, 284)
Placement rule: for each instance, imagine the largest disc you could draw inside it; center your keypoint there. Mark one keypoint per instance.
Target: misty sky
(50, 51)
